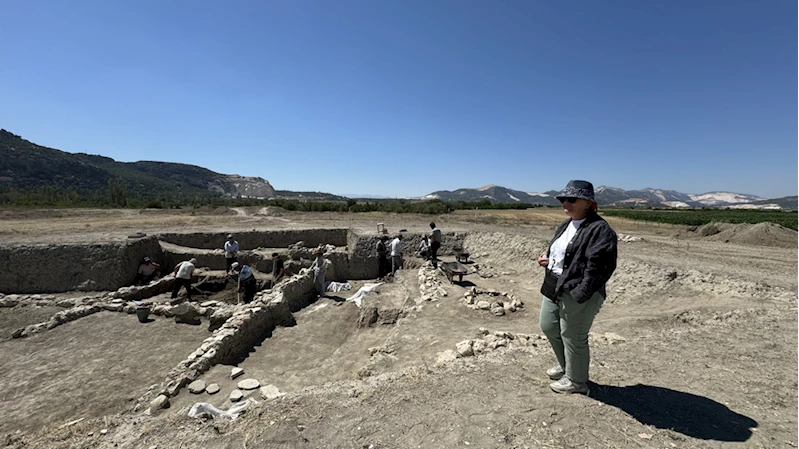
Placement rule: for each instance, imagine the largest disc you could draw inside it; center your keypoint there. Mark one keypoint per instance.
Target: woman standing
(579, 261)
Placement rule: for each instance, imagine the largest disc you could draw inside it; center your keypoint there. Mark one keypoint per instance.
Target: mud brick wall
(362, 263)
(215, 261)
(59, 268)
(260, 239)
(450, 241)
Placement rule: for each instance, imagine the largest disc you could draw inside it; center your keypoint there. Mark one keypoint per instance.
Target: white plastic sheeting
(357, 298)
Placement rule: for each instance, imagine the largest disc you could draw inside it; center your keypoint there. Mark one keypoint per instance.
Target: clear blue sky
(402, 98)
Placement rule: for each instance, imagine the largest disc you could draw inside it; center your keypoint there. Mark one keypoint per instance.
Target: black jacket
(590, 258)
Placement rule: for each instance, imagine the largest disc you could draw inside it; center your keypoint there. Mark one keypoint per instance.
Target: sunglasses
(568, 200)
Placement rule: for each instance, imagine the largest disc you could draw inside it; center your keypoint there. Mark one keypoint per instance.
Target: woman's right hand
(543, 260)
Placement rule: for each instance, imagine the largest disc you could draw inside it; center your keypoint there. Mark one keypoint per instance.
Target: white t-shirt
(395, 247)
(185, 270)
(231, 249)
(557, 252)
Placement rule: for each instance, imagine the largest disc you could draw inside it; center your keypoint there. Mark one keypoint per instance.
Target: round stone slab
(249, 384)
(212, 389)
(197, 387)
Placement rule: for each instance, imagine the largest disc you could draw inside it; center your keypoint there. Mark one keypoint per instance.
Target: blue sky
(402, 98)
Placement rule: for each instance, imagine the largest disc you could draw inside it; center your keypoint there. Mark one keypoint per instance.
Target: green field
(698, 217)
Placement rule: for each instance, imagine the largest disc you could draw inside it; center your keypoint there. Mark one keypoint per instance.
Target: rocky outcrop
(236, 186)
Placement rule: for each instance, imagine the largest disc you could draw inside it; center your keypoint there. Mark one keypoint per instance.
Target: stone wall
(59, 268)
(260, 239)
(233, 339)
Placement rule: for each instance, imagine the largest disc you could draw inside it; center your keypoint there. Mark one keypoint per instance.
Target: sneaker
(556, 372)
(566, 386)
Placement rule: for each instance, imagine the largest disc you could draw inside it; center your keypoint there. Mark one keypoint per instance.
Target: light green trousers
(566, 325)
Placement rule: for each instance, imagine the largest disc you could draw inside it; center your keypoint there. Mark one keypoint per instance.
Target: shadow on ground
(686, 413)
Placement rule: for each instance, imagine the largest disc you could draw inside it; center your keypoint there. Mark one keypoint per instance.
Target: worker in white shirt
(231, 252)
(183, 273)
(396, 254)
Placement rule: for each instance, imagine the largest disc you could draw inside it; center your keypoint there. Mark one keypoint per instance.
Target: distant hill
(25, 165)
(309, 196)
(784, 203)
(613, 196)
(495, 194)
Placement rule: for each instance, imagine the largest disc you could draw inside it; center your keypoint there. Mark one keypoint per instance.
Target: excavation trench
(287, 337)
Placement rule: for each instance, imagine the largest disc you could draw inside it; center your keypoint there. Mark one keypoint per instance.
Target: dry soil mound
(272, 211)
(765, 234)
(223, 211)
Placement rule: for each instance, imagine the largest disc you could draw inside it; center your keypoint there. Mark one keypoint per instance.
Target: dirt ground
(14, 318)
(90, 367)
(696, 346)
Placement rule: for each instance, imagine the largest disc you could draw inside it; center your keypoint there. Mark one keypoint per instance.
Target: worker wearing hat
(247, 282)
(148, 270)
(231, 252)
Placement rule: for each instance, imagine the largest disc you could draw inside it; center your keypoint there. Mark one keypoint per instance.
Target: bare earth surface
(696, 346)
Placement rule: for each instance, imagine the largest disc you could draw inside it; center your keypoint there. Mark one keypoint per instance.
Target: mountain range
(613, 196)
(26, 165)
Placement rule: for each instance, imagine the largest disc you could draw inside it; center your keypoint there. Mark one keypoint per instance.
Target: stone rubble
(58, 319)
(271, 392)
(491, 341)
(160, 401)
(430, 286)
(489, 299)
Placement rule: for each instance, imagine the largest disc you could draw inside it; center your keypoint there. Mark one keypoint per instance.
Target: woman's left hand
(543, 260)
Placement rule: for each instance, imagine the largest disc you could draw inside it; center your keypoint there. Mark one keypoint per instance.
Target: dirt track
(706, 355)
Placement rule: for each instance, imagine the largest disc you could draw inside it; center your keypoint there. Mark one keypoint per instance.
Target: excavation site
(695, 345)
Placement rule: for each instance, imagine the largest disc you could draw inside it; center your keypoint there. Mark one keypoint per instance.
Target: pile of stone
(497, 302)
(299, 251)
(491, 341)
(430, 285)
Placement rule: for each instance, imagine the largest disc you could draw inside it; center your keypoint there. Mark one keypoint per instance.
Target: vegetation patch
(699, 217)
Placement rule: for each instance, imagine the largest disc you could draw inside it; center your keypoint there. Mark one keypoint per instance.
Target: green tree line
(117, 195)
(698, 217)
